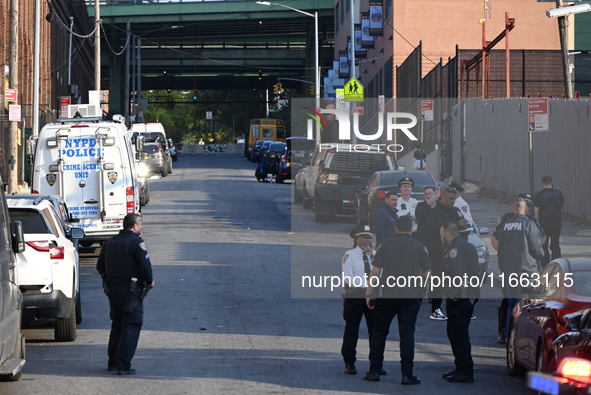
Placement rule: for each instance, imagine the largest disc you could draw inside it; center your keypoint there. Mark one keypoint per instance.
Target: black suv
(337, 173)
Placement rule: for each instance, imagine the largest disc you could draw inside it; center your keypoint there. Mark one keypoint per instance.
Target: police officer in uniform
(357, 265)
(124, 265)
(384, 219)
(461, 203)
(406, 203)
(460, 259)
(403, 258)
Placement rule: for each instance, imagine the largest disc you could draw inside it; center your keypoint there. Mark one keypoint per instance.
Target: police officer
(461, 203)
(124, 265)
(444, 211)
(518, 241)
(548, 205)
(406, 203)
(402, 258)
(357, 265)
(460, 261)
(384, 219)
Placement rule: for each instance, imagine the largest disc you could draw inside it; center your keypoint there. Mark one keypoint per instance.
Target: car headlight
(142, 170)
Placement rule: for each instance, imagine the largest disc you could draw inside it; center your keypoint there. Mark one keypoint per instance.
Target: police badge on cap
(361, 230)
(406, 180)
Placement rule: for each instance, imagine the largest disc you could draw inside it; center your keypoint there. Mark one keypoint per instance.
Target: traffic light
(276, 89)
(195, 94)
(279, 88)
(312, 90)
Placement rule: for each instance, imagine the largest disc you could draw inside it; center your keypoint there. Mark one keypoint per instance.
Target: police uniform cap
(361, 230)
(527, 197)
(406, 180)
(455, 185)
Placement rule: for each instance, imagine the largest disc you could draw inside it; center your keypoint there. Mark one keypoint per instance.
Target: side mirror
(17, 237)
(77, 233)
(573, 321)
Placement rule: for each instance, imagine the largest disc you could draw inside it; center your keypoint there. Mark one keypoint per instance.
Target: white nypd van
(90, 163)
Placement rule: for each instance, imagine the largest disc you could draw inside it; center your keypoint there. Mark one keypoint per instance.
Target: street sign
(426, 110)
(208, 115)
(65, 101)
(353, 90)
(538, 119)
(14, 113)
(10, 95)
(340, 102)
(381, 103)
(357, 110)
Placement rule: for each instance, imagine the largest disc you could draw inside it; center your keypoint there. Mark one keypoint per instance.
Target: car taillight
(55, 252)
(130, 201)
(576, 369)
(381, 194)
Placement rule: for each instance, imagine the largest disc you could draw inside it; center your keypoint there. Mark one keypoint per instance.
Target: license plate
(544, 383)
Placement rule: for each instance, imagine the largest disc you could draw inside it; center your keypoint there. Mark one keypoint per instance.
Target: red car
(565, 287)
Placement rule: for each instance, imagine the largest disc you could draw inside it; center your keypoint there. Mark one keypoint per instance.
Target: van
(336, 175)
(91, 164)
(154, 133)
(12, 352)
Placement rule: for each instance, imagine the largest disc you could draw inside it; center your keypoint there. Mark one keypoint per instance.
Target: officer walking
(384, 219)
(357, 265)
(548, 205)
(460, 261)
(518, 241)
(407, 260)
(124, 265)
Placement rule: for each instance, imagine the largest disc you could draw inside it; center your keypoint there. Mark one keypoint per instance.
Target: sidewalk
(575, 239)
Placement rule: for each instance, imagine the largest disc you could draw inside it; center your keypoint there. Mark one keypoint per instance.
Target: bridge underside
(218, 45)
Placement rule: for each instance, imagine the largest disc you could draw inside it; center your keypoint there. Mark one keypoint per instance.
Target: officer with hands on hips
(124, 264)
(460, 259)
(357, 265)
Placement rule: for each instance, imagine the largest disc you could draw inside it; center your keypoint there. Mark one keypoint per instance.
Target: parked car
(371, 197)
(565, 287)
(572, 377)
(48, 269)
(12, 351)
(295, 156)
(476, 240)
(336, 175)
(58, 203)
(575, 343)
(256, 150)
(155, 159)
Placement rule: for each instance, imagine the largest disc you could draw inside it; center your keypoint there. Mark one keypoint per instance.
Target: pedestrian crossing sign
(354, 90)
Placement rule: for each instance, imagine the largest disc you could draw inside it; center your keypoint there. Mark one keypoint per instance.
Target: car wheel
(65, 328)
(169, 167)
(514, 367)
(163, 172)
(541, 365)
(78, 309)
(297, 196)
(279, 178)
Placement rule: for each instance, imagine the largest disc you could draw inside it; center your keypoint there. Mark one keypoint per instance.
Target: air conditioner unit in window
(85, 110)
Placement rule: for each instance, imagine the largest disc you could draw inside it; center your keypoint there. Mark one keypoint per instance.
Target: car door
(70, 252)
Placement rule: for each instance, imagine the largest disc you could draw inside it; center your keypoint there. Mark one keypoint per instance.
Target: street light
(316, 59)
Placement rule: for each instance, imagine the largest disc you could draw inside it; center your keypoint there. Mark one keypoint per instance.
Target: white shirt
(465, 208)
(410, 205)
(354, 268)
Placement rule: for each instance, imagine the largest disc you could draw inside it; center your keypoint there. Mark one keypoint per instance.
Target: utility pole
(97, 48)
(568, 85)
(12, 151)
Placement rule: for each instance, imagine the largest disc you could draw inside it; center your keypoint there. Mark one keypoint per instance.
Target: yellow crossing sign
(354, 90)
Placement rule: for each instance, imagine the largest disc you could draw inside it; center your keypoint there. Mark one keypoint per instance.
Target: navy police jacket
(124, 256)
(520, 245)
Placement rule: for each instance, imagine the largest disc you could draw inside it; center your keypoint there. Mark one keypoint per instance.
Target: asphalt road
(222, 318)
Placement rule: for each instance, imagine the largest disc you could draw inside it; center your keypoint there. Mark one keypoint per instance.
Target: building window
(337, 21)
(388, 9)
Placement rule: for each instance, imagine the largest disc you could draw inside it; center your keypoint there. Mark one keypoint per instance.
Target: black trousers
(386, 309)
(552, 230)
(459, 313)
(127, 315)
(353, 312)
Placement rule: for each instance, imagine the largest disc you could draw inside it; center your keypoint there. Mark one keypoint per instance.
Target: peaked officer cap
(406, 180)
(361, 230)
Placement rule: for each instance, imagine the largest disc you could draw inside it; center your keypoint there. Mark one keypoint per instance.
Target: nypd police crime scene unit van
(90, 163)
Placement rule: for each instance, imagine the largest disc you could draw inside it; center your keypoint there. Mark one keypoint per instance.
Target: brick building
(54, 62)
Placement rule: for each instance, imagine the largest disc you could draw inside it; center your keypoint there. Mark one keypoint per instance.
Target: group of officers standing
(426, 239)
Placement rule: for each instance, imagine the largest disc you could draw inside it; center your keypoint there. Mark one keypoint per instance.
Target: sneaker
(438, 315)
(473, 317)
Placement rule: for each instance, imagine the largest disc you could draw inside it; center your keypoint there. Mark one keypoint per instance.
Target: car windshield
(277, 147)
(581, 283)
(422, 178)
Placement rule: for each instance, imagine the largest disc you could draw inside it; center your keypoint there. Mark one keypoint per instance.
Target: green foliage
(186, 122)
